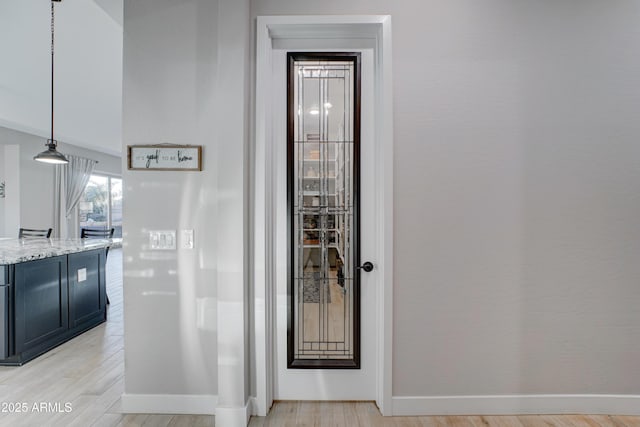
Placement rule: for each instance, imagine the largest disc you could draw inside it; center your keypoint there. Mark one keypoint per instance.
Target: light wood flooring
(365, 414)
(87, 372)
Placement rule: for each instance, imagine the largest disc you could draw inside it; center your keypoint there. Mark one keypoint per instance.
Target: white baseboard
(254, 409)
(169, 404)
(517, 404)
(233, 417)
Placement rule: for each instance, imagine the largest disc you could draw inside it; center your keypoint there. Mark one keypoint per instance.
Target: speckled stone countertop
(14, 251)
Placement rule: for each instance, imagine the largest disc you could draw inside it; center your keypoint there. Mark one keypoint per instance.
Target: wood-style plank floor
(365, 414)
(88, 374)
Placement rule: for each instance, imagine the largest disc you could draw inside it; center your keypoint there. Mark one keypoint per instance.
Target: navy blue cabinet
(87, 293)
(45, 302)
(4, 312)
(41, 302)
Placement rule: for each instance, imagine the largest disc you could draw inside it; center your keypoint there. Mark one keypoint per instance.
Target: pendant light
(51, 155)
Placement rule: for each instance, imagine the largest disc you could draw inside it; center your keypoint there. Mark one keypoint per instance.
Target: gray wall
(36, 179)
(517, 220)
(3, 178)
(184, 84)
(517, 216)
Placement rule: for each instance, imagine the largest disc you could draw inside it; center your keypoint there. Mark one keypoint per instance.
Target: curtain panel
(69, 183)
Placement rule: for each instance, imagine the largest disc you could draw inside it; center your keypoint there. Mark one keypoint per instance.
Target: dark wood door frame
(293, 362)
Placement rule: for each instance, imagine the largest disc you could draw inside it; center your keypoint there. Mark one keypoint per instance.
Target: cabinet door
(41, 301)
(4, 312)
(87, 298)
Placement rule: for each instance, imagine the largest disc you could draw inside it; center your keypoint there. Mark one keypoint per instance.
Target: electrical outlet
(186, 239)
(162, 239)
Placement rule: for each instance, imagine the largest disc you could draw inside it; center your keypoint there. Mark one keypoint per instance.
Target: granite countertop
(14, 251)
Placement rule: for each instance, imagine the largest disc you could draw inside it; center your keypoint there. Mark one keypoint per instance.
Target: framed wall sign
(165, 157)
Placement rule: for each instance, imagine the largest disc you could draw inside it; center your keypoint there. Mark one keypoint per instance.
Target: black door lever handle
(367, 266)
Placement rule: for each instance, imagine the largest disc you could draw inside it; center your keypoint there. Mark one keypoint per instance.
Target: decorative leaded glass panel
(323, 201)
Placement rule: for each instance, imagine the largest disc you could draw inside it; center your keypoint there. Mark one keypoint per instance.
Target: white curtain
(68, 186)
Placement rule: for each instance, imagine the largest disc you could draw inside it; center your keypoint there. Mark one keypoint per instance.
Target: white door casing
(370, 35)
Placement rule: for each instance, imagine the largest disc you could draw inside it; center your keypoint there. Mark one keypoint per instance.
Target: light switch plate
(162, 239)
(186, 239)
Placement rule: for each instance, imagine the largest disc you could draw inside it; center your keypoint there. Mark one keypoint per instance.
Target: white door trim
(378, 29)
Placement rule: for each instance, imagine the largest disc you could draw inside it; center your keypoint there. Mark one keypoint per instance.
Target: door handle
(367, 266)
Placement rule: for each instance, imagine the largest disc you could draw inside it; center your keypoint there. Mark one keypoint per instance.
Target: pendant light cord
(51, 155)
(52, 73)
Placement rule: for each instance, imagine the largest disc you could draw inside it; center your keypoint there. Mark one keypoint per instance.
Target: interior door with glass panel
(323, 144)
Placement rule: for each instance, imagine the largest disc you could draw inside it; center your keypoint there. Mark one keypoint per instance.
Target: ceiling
(88, 71)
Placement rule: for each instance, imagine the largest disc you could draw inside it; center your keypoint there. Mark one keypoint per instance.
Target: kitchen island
(51, 290)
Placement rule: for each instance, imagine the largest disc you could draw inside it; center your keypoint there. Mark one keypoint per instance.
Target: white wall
(10, 176)
(517, 216)
(88, 70)
(185, 82)
(3, 179)
(36, 179)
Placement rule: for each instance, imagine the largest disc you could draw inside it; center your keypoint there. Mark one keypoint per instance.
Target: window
(101, 204)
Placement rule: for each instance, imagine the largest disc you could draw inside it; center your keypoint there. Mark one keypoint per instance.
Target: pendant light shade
(51, 155)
